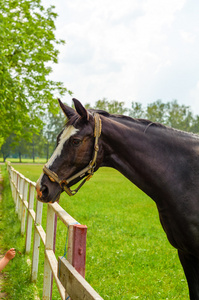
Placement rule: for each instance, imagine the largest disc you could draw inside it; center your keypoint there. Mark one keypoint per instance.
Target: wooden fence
(66, 273)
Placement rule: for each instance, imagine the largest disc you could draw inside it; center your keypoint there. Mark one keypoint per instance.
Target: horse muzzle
(47, 193)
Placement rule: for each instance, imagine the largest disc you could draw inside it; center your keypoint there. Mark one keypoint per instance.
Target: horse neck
(145, 155)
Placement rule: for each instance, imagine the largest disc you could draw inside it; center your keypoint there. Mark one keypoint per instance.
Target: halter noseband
(89, 169)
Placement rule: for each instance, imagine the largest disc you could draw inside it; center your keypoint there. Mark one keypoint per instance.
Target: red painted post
(79, 248)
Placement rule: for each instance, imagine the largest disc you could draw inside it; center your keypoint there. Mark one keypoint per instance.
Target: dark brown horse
(161, 161)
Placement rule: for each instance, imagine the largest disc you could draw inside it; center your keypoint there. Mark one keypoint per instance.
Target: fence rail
(23, 192)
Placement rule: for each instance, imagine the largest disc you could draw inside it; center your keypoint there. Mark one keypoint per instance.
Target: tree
(195, 125)
(27, 48)
(6, 149)
(171, 114)
(156, 112)
(16, 145)
(20, 148)
(136, 111)
(113, 106)
(179, 116)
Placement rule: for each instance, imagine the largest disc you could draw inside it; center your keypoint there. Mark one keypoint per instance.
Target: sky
(129, 50)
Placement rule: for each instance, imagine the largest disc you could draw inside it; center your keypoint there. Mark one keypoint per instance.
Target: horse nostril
(44, 191)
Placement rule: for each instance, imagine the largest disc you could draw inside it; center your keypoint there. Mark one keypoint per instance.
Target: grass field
(128, 255)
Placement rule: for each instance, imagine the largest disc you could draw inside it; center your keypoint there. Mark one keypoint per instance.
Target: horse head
(76, 155)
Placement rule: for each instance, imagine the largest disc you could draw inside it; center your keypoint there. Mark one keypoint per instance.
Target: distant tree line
(43, 142)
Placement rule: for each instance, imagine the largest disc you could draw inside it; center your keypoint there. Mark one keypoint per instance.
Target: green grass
(17, 285)
(128, 255)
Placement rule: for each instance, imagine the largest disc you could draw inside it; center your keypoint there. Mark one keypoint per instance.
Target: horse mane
(123, 118)
(147, 123)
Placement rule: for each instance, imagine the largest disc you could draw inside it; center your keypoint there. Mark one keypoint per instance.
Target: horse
(163, 162)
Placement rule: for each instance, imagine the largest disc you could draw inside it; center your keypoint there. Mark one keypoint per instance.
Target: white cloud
(188, 37)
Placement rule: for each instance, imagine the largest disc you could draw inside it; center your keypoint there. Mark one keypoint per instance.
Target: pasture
(128, 255)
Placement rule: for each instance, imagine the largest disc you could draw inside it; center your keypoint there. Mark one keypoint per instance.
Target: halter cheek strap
(89, 170)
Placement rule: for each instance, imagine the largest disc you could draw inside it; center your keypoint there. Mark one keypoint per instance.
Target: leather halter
(89, 170)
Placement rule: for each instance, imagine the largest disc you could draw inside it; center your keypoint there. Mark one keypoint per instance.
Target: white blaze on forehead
(66, 134)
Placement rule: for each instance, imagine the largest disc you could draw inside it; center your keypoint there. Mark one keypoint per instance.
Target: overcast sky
(129, 50)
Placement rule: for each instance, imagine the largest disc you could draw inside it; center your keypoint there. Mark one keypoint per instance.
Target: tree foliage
(28, 46)
(171, 114)
(113, 106)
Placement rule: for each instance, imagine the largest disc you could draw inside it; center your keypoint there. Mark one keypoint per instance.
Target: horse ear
(80, 109)
(68, 111)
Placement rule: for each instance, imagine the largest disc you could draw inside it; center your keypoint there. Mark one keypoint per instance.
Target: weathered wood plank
(53, 264)
(29, 217)
(36, 243)
(63, 215)
(41, 233)
(24, 199)
(76, 286)
(48, 246)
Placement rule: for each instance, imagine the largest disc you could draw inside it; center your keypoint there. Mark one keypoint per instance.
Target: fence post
(36, 244)
(21, 187)
(12, 182)
(76, 254)
(79, 248)
(16, 182)
(23, 213)
(48, 246)
(54, 246)
(16, 197)
(29, 218)
(15, 187)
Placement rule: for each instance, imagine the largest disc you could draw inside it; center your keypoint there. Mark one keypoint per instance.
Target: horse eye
(76, 142)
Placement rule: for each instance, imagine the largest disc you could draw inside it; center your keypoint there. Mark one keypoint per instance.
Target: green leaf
(28, 46)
